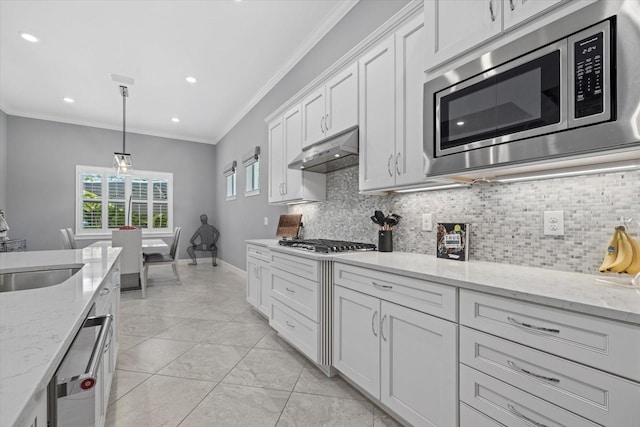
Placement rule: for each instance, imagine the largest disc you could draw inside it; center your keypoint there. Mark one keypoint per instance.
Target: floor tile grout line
(290, 394)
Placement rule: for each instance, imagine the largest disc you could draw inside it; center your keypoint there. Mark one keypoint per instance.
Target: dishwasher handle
(87, 380)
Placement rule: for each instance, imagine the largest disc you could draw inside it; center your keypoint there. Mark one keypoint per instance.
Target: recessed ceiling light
(175, 120)
(68, 100)
(191, 79)
(29, 37)
(460, 123)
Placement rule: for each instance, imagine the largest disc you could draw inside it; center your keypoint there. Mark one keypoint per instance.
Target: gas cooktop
(327, 246)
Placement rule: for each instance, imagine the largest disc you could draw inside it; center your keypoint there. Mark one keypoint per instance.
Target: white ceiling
(237, 50)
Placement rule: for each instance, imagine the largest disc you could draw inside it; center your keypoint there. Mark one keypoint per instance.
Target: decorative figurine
(208, 236)
(4, 227)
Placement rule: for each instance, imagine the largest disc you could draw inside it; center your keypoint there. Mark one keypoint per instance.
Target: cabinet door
(276, 161)
(253, 282)
(356, 345)
(264, 293)
(342, 101)
(419, 366)
(410, 45)
(517, 11)
(455, 26)
(377, 116)
(292, 187)
(313, 112)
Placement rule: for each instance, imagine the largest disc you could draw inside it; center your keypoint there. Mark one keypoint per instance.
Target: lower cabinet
(405, 358)
(258, 279)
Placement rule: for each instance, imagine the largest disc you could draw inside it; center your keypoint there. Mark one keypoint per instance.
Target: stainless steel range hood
(337, 152)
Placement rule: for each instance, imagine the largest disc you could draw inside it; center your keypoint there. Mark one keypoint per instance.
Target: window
(251, 162)
(230, 174)
(107, 201)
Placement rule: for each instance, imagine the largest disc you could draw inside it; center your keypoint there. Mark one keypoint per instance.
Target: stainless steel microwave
(571, 88)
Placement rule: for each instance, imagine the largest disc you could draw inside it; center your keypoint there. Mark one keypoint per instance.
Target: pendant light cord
(125, 93)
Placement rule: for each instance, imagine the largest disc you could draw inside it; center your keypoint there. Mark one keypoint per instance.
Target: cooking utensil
(380, 216)
(375, 220)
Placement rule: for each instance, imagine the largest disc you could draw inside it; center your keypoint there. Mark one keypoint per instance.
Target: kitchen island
(37, 326)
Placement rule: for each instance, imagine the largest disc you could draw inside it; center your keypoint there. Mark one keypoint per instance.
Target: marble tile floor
(198, 355)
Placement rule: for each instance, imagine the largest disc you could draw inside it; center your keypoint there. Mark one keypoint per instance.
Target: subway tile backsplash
(506, 219)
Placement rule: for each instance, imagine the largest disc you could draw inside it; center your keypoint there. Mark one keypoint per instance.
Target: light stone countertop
(37, 326)
(598, 295)
(583, 293)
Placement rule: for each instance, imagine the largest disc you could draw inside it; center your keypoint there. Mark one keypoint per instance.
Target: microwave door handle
(87, 380)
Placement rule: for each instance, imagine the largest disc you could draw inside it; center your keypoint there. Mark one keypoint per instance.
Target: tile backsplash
(506, 219)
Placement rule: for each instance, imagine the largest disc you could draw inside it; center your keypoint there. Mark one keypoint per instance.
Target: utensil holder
(385, 241)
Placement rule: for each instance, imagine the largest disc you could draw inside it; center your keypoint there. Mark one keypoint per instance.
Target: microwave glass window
(518, 99)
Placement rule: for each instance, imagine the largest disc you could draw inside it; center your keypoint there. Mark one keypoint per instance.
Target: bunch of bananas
(623, 254)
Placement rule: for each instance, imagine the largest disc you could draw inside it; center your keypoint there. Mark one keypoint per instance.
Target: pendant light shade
(122, 161)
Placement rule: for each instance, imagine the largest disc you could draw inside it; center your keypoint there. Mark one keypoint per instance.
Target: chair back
(64, 239)
(174, 245)
(72, 239)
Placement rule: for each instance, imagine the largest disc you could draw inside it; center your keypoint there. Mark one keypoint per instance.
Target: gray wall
(41, 175)
(3, 160)
(243, 218)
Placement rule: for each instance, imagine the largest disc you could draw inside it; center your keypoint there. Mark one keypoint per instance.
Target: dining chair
(64, 239)
(72, 238)
(162, 259)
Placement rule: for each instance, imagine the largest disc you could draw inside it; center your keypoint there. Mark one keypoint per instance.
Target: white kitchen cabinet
(391, 79)
(356, 338)
(456, 26)
(331, 108)
(37, 414)
(404, 358)
(377, 116)
(258, 278)
(523, 363)
(518, 11)
(410, 44)
(285, 143)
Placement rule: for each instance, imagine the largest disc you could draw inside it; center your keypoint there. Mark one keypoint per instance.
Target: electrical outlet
(553, 223)
(427, 222)
(266, 220)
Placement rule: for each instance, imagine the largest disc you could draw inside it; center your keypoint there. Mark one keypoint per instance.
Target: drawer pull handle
(524, 417)
(542, 377)
(373, 319)
(290, 290)
(382, 327)
(377, 285)
(291, 325)
(105, 291)
(537, 328)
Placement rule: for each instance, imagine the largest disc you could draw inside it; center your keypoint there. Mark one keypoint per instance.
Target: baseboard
(207, 260)
(232, 267)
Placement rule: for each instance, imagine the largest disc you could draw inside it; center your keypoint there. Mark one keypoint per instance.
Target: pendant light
(122, 161)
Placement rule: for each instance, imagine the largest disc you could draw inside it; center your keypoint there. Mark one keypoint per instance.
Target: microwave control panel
(589, 75)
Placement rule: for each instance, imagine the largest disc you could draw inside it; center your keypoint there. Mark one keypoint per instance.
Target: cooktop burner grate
(327, 246)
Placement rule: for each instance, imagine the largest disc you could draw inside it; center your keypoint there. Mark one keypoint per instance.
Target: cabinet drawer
(295, 328)
(469, 417)
(299, 294)
(596, 395)
(259, 252)
(604, 344)
(303, 267)
(512, 406)
(427, 297)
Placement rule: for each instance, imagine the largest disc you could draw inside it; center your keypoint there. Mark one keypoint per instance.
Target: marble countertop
(38, 325)
(598, 295)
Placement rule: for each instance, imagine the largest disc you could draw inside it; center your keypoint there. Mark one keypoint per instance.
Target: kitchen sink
(22, 280)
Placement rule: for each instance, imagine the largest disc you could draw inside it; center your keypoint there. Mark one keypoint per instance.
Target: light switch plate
(266, 220)
(553, 223)
(427, 222)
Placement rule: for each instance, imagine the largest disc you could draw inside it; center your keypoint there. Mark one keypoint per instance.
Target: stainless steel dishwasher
(72, 400)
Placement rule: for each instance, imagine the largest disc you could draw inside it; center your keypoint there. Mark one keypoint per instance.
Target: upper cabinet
(285, 143)
(331, 108)
(391, 78)
(456, 26)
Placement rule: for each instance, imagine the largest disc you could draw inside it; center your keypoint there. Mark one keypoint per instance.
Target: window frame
(234, 185)
(255, 174)
(105, 231)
